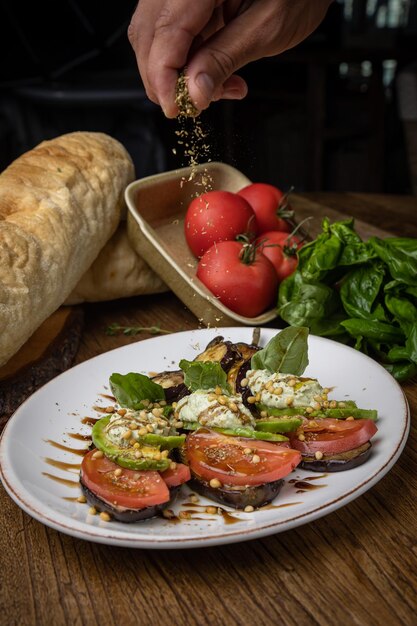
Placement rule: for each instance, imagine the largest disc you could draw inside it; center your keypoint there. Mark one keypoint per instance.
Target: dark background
(324, 116)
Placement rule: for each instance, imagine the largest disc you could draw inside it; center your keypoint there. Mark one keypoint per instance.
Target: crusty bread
(117, 272)
(59, 205)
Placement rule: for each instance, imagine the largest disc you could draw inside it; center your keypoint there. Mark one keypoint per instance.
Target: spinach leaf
(403, 311)
(316, 261)
(397, 353)
(204, 375)
(370, 329)
(131, 389)
(287, 352)
(400, 255)
(330, 327)
(411, 291)
(308, 302)
(411, 343)
(359, 291)
(401, 371)
(354, 250)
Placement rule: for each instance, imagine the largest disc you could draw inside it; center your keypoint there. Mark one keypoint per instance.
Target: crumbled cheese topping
(283, 390)
(214, 411)
(137, 423)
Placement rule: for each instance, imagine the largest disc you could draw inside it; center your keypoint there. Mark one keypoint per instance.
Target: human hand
(213, 39)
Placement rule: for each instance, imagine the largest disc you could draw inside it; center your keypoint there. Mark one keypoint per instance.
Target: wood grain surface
(357, 565)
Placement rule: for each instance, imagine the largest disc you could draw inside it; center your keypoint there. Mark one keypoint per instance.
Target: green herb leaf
(287, 352)
(303, 303)
(131, 389)
(204, 375)
(370, 329)
(403, 310)
(360, 289)
(401, 371)
(400, 254)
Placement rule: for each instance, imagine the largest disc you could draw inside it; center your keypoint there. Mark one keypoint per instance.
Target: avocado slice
(126, 457)
(279, 425)
(349, 409)
(248, 433)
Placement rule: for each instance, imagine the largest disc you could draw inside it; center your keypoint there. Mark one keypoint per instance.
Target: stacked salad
(232, 424)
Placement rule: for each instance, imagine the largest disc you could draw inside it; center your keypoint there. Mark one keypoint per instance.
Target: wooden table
(357, 565)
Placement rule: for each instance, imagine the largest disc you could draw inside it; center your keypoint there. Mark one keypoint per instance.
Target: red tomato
(246, 284)
(212, 455)
(282, 256)
(270, 206)
(332, 436)
(217, 216)
(281, 238)
(132, 489)
(174, 477)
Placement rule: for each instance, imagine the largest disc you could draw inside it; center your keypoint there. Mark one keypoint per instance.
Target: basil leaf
(330, 327)
(360, 289)
(400, 254)
(373, 330)
(354, 250)
(287, 352)
(300, 303)
(204, 375)
(324, 257)
(411, 344)
(403, 310)
(401, 371)
(131, 389)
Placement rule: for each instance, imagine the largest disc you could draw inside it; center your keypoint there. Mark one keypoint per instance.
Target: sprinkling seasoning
(191, 138)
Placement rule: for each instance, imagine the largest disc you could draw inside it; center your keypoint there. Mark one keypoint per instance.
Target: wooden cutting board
(50, 350)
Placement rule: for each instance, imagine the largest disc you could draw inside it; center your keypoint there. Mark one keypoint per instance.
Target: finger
(140, 34)
(234, 88)
(175, 30)
(251, 35)
(220, 56)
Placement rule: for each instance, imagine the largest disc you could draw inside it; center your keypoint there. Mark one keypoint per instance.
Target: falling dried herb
(191, 137)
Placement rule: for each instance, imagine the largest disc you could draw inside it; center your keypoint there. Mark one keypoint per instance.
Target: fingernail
(233, 94)
(206, 85)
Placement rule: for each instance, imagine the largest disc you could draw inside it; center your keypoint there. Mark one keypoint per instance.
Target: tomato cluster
(244, 245)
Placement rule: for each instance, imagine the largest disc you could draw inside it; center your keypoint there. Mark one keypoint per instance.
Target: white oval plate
(32, 471)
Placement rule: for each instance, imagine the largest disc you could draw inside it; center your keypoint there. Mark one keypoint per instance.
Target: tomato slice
(174, 477)
(132, 489)
(332, 436)
(237, 460)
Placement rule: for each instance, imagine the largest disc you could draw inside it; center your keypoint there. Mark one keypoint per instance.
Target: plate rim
(235, 536)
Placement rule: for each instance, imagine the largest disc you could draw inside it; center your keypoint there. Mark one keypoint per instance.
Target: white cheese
(304, 392)
(119, 425)
(206, 408)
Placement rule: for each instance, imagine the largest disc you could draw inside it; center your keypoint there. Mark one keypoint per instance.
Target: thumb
(210, 72)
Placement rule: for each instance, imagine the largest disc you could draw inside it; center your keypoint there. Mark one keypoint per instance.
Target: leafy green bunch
(359, 293)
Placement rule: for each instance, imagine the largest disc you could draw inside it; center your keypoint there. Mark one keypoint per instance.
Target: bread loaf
(117, 272)
(59, 205)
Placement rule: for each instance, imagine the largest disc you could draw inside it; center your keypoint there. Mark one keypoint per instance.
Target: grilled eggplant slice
(122, 514)
(224, 352)
(338, 462)
(238, 497)
(173, 384)
(238, 371)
